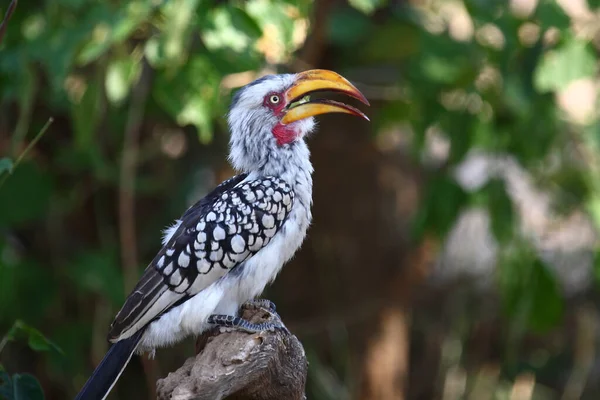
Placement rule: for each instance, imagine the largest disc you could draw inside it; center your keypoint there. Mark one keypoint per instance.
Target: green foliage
(20, 387)
(573, 59)
(531, 295)
(24, 386)
(6, 165)
(500, 208)
(30, 189)
(441, 206)
(35, 339)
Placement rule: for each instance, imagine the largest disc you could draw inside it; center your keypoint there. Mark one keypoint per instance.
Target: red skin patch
(284, 134)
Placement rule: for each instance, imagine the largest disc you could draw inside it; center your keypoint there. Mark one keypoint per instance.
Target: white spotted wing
(215, 235)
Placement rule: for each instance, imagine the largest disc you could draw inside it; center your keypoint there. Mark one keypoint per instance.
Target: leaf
(573, 60)
(6, 385)
(36, 340)
(530, 293)
(244, 22)
(27, 387)
(552, 15)
(501, 210)
(190, 96)
(85, 114)
(347, 27)
(443, 202)
(367, 6)
(6, 165)
(121, 75)
(39, 342)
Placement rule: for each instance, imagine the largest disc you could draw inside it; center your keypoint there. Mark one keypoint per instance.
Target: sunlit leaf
(573, 60)
(367, 6)
(120, 77)
(225, 34)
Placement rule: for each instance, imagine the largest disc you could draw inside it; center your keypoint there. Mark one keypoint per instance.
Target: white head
(269, 118)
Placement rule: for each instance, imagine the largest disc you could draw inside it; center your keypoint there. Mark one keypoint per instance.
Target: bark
(237, 365)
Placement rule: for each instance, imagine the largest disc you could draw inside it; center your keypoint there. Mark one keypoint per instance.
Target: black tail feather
(110, 368)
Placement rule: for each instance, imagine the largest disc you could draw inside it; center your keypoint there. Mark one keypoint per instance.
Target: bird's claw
(260, 303)
(230, 321)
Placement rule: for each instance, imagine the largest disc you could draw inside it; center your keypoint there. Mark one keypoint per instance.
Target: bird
(227, 247)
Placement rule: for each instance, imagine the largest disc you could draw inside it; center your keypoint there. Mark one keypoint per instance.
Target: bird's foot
(238, 323)
(260, 303)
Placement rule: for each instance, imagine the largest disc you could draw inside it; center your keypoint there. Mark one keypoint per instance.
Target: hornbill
(228, 246)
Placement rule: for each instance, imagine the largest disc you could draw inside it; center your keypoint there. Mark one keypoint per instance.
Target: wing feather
(215, 235)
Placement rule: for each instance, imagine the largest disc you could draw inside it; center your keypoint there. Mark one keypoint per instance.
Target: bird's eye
(274, 99)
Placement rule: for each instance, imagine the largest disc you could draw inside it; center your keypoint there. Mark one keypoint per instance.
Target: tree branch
(240, 366)
(9, 12)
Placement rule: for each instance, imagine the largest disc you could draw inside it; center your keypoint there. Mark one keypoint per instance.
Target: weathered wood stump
(237, 365)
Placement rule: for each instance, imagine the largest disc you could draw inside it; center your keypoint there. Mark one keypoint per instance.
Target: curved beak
(299, 106)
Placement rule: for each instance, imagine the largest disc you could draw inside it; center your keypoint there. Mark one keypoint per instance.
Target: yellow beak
(317, 80)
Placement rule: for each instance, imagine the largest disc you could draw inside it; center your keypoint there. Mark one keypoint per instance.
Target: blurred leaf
(571, 188)
(501, 210)
(25, 195)
(98, 272)
(573, 60)
(121, 75)
(593, 4)
(6, 165)
(530, 293)
(386, 37)
(551, 14)
(441, 70)
(191, 95)
(111, 25)
(347, 27)
(35, 339)
(19, 387)
(443, 203)
(367, 6)
(231, 28)
(6, 385)
(26, 387)
(85, 114)
(244, 22)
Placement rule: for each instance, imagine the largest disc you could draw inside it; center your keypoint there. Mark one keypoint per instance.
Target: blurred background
(454, 249)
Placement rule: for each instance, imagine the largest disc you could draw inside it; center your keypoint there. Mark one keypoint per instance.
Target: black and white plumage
(227, 247)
